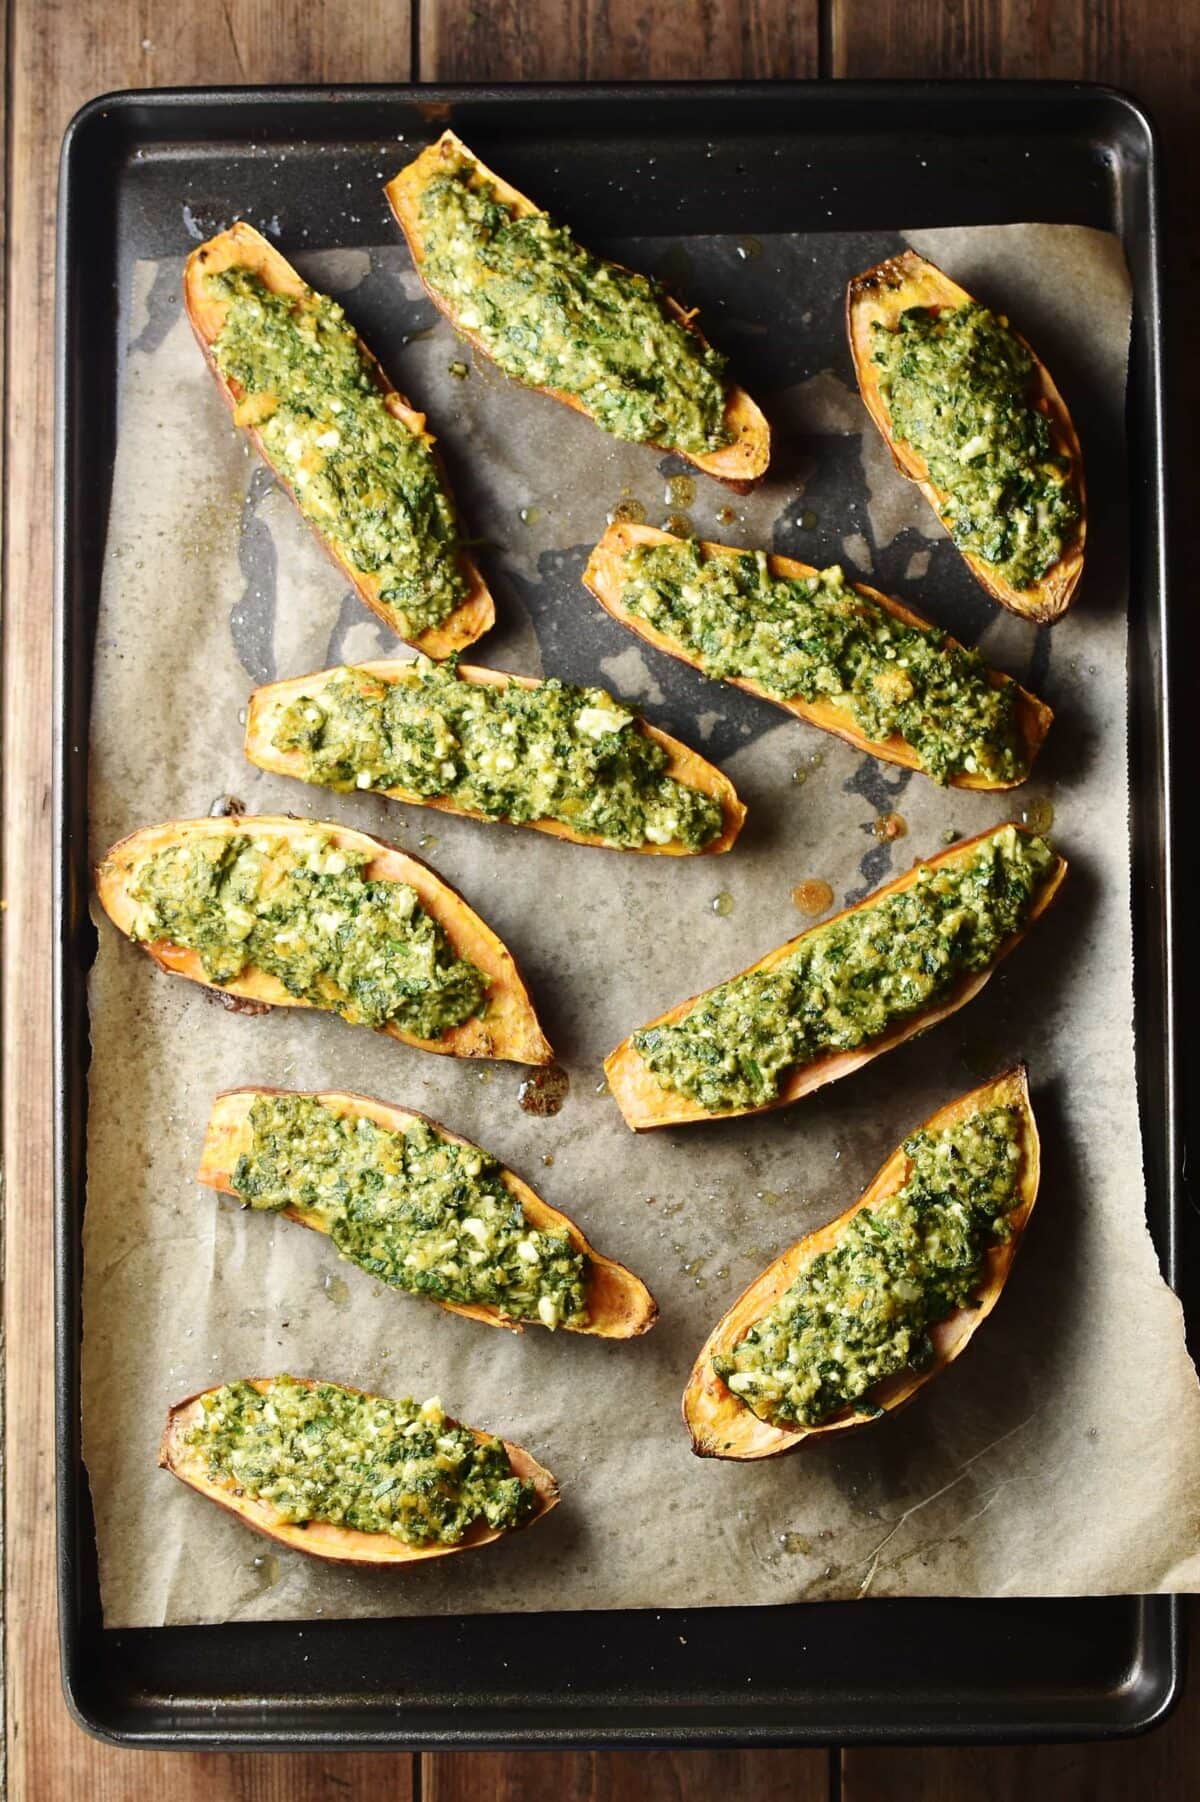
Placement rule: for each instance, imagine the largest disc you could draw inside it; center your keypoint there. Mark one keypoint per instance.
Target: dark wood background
(59, 53)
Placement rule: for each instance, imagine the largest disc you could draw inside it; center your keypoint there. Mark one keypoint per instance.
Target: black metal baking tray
(784, 157)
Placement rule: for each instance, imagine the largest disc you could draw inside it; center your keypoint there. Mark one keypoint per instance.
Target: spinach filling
(369, 484)
(959, 388)
(304, 912)
(412, 1208)
(852, 980)
(554, 752)
(818, 639)
(358, 1461)
(862, 1311)
(554, 316)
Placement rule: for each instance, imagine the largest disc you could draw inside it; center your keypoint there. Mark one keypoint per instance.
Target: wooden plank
(623, 40)
(61, 52)
(1155, 53)
(625, 1777)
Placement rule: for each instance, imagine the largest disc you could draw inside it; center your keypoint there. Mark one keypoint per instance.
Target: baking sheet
(1059, 1457)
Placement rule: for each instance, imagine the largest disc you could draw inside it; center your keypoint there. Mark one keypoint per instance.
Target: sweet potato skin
(510, 1030)
(647, 1105)
(880, 295)
(619, 1304)
(723, 1427)
(739, 464)
(684, 764)
(322, 1539)
(242, 246)
(603, 577)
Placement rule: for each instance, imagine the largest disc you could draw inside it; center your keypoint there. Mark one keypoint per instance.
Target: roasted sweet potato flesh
(322, 1539)
(605, 577)
(878, 297)
(646, 1103)
(242, 247)
(619, 1305)
(722, 1426)
(509, 1030)
(739, 464)
(268, 703)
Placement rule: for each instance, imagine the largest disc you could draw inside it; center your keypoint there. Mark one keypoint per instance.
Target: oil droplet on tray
(799, 777)
(808, 520)
(544, 1092)
(679, 525)
(889, 826)
(426, 840)
(459, 371)
(226, 807)
(264, 1568)
(813, 897)
(628, 511)
(681, 491)
(1038, 813)
(337, 1291)
(748, 249)
(726, 515)
(795, 1542)
(529, 516)
(722, 904)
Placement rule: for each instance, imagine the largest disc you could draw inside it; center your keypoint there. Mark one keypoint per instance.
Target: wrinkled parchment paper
(1062, 1454)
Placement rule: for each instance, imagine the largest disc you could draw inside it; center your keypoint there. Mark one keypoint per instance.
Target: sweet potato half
(722, 1426)
(738, 464)
(644, 1101)
(880, 296)
(510, 1029)
(619, 1305)
(322, 1539)
(605, 577)
(685, 765)
(242, 247)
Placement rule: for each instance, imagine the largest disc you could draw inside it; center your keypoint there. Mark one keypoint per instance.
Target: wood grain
(61, 53)
(624, 40)
(625, 1777)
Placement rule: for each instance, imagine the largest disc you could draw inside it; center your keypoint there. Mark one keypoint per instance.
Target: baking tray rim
(1163, 1690)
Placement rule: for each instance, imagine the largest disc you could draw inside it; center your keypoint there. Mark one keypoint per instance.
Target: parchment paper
(1062, 1454)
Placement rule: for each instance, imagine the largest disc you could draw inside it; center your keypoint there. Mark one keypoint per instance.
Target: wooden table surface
(58, 54)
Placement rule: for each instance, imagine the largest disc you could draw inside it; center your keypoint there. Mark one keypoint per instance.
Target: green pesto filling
(303, 912)
(368, 483)
(863, 1310)
(818, 639)
(958, 382)
(548, 753)
(359, 1461)
(554, 316)
(412, 1208)
(851, 981)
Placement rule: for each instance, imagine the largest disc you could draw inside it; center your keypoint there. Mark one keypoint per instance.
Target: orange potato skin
(619, 1305)
(722, 1426)
(604, 577)
(511, 1030)
(685, 765)
(646, 1104)
(242, 246)
(881, 295)
(323, 1539)
(739, 464)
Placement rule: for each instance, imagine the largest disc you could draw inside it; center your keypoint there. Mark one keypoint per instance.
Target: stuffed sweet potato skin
(721, 1426)
(739, 464)
(242, 246)
(619, 1305)
(646, 1104)
(322, 1539)
(510, 1031)
(604, 577)
(880, 295)
(685, 765)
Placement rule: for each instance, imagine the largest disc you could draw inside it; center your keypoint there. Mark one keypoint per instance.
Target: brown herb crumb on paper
(1061, 1455)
